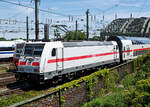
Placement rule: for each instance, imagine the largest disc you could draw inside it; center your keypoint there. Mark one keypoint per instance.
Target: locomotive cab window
(33, 50)
(54, 52)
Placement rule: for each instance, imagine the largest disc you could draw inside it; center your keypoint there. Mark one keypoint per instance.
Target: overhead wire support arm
(59, 27)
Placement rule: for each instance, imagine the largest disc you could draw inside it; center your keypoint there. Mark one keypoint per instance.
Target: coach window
(117, 47)
(124, 48)
(54, 52)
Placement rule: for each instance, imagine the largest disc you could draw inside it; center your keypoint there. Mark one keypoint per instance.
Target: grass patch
(6, 101)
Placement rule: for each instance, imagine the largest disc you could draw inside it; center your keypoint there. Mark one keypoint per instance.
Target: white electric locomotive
(44, 61)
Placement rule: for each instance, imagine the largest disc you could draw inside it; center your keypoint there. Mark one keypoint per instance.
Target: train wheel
(18, 78)
(55, 80)
(78, 74)
(64, 78)
(71, 76)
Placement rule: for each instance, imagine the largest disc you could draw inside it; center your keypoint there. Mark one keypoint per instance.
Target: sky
(65, 8)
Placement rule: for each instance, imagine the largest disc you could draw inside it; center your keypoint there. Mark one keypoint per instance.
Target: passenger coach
(6, 49)
(131, 47)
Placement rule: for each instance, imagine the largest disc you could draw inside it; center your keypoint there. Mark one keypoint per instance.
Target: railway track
(10, 92)
(5, 62)
(8, 85)
(18, 88)
(6, 77)
(14, 88)
(7, 80)
(7, 65)
(6, 74)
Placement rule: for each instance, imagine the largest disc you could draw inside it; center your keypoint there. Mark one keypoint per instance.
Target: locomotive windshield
(19, 48)
(34, 50)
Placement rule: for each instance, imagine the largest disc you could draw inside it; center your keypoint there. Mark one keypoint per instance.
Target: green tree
(2, 39)
(96, 37)
(80, 35)
(12, 39)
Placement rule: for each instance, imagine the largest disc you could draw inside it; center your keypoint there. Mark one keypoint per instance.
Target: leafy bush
(110, 80)
(94, 103)
(140, 94)
(113, 100)
(137, 85)
(128, 80)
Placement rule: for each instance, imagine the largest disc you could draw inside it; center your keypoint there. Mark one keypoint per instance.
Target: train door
(59, 60)
(115, 50)
(126, 52)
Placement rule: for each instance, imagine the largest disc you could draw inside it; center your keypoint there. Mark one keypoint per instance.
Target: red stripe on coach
(136, 50)
(80, 57)
(141, 49)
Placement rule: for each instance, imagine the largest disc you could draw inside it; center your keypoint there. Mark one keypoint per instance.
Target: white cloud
(130, 5)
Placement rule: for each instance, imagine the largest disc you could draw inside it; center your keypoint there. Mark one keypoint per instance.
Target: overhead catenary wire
(14, 21)
(47, 11)
(15, 15)
(43, 10)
